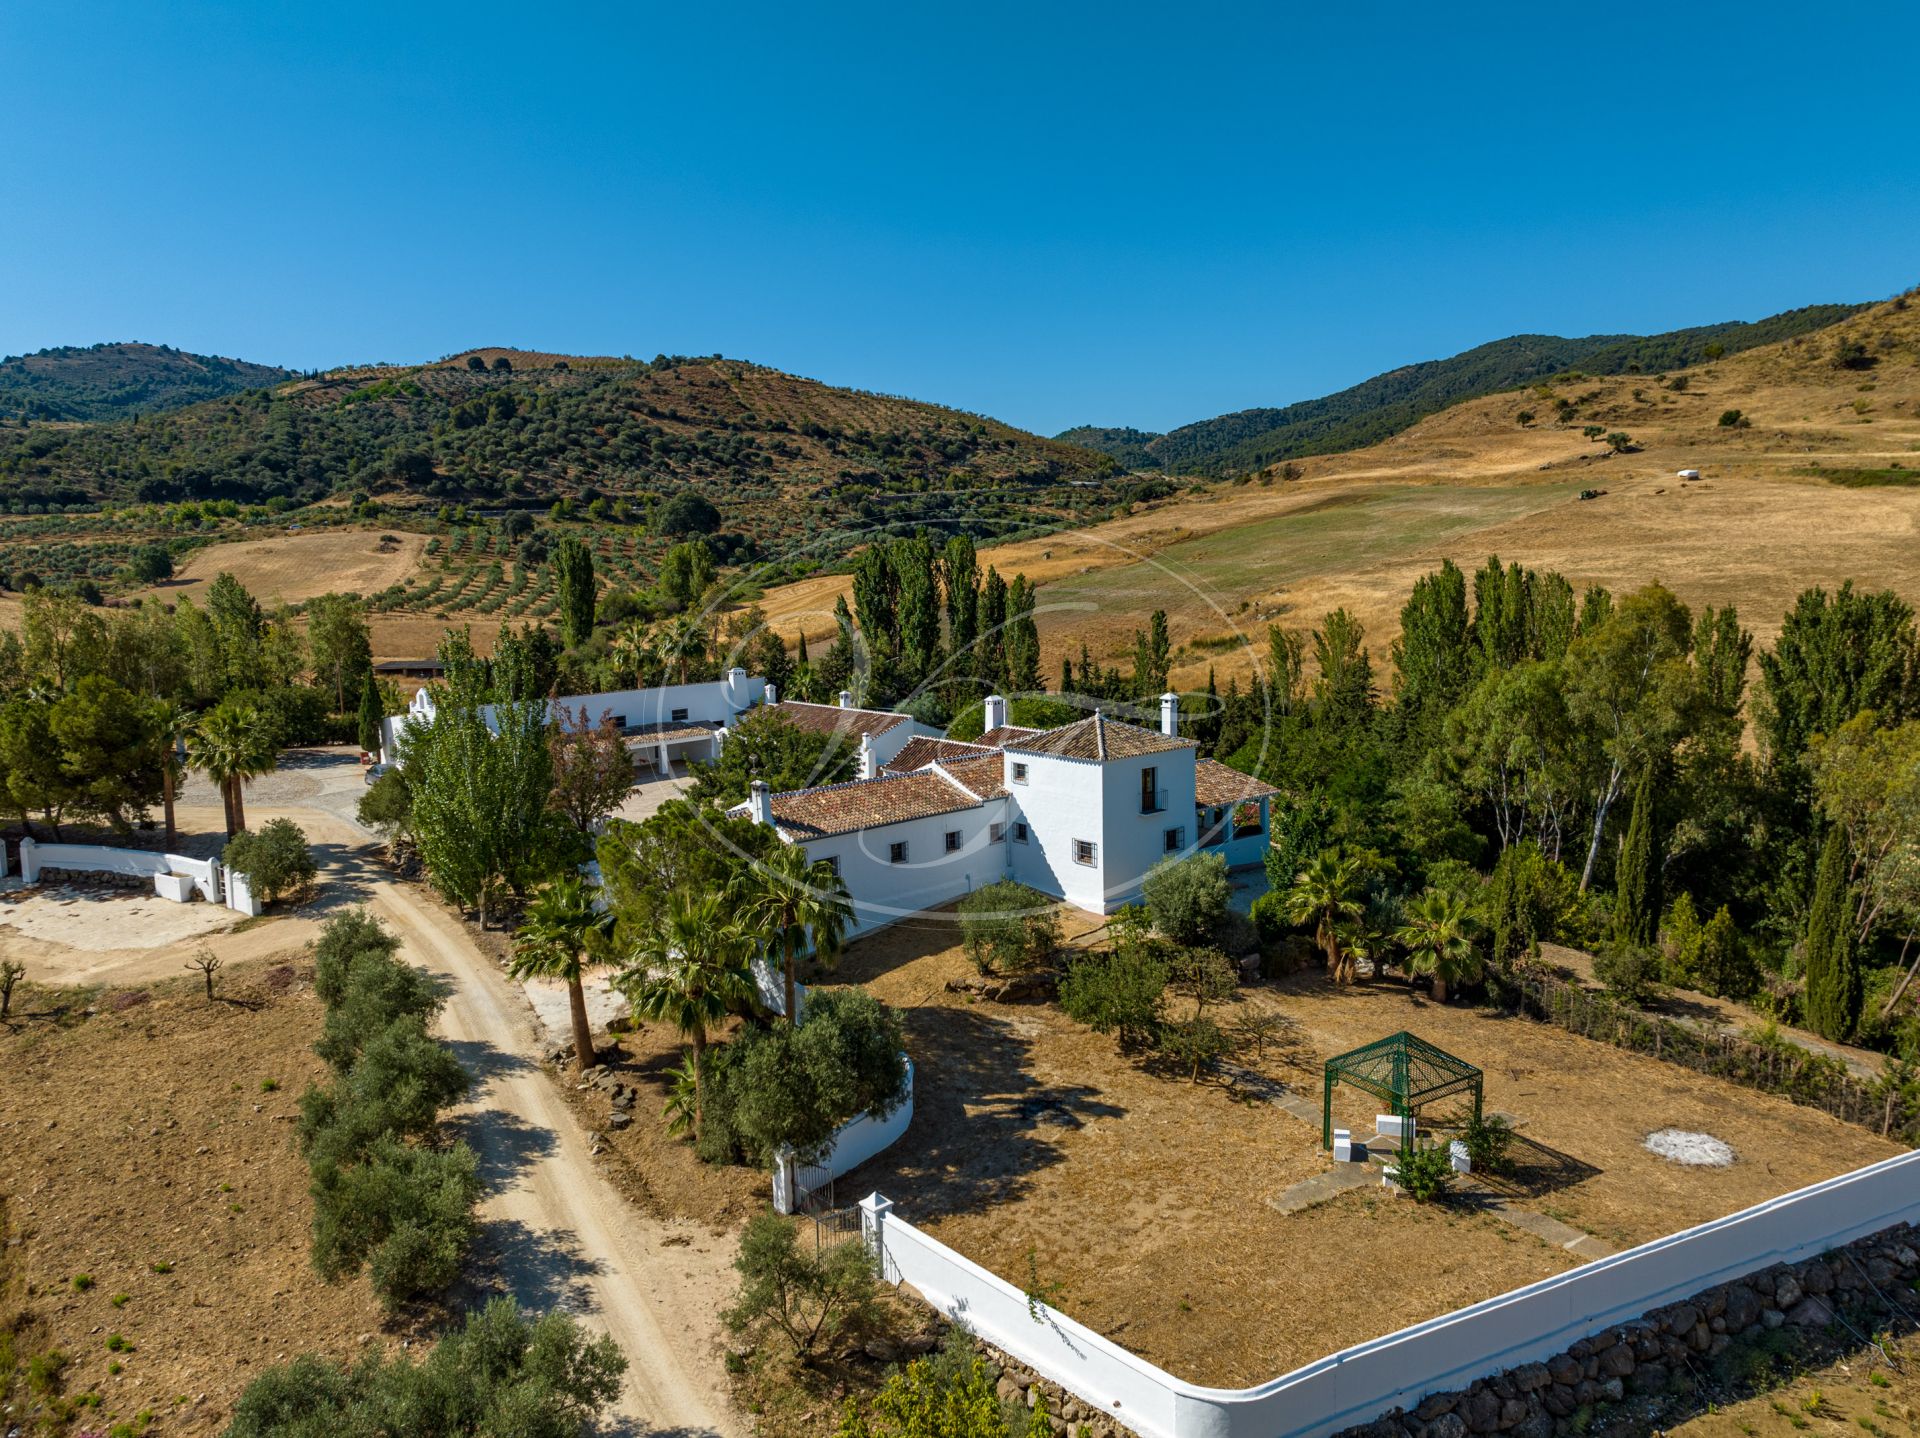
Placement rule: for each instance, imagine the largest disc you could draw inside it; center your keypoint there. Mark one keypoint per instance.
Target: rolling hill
(1388, 403)
(515, 428)
(1809, 450)
(116, 381)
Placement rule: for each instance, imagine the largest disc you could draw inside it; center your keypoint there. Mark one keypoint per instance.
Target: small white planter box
(1462, 1160)
(177, 887)
(1391, 1125)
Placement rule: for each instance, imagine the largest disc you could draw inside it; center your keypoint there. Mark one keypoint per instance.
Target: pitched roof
(920, 751)
(984, 774)
(669, 733)
(832, 719)
(867, 803)
(1004, 735)
(1214, 783)
(1099, 738)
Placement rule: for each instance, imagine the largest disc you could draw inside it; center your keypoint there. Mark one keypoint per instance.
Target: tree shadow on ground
(539, 1271)
(505, 1145)
(1533, 1171)
(981, 1120)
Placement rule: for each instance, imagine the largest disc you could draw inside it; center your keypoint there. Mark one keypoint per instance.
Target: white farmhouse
(1081, 812)
(662, 724)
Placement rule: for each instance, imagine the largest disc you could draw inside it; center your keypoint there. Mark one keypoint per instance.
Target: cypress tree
(1833, 992)
(573, 569)
(1634, 902)
(372, 711)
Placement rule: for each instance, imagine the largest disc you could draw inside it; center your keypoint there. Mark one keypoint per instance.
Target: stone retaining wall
(1539, 1400)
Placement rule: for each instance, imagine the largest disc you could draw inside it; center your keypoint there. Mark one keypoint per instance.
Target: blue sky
(1119, 214)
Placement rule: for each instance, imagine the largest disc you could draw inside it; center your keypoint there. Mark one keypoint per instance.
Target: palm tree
(784, 900)
(633, 650)
(171, 727)
(235, 741)
(683, 644)
(1325, 895)
(1438, 937)
(691, 970)
(560, 939)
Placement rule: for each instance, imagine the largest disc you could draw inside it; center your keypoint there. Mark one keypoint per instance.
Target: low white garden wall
(1360, 1383)
(855, 1143)
(137, 863)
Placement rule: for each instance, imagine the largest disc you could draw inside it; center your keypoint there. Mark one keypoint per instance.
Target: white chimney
(868, 767)
(846, 699)
(1170, 715)
(994, 713)
(760, 802)
(773, 694)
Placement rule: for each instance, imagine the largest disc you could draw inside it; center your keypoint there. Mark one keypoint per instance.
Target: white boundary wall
(853, 1145)
(1360, 1383)
(35, 856)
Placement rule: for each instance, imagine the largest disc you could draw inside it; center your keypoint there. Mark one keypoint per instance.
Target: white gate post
(873, 1232)
(29, 861)
(784, 1196)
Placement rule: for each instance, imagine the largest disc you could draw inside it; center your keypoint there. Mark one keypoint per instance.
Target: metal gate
(833, 1224)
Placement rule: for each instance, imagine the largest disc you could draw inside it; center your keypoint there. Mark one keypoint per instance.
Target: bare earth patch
(141, 1149)
(101, 919)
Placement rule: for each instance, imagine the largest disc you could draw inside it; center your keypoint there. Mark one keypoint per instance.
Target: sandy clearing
(291, 567)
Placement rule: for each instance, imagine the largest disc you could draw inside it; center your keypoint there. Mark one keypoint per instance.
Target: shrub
(345, 939)
(1630, 972)
(151, 563)
(951, 1394)
(396, 1089)
(1192, 1045)
(1722, 961)
(500, 1373)
(1119, 991)
(275, 861)
(794, 1085)
(1425, 1173)
(1488, 1138)
(1188, 897)
(406, 1214)
(810, 1299)
(1734, 419)
(379, 991)
(1009, 928)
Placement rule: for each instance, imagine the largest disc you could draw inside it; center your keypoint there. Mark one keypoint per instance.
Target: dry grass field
(152, 1192)
(1040, 1151)
(291, 567)
(1357, 529)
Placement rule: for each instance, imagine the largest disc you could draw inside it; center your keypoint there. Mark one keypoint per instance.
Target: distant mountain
(1380, 407)
(778, 455)
(115, 381)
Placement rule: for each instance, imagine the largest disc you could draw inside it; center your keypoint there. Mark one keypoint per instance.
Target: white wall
(35, 856)
(1135, 842)
(884, 892)
(716, 701)
(886, 745)
(1359, 1383)
(1061, 801)
(858, 1140)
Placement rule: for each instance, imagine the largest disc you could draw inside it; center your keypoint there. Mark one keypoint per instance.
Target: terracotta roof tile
(920, 751)
(1099, 738)
(832, 719)
(1215, 784)
(867, 804)
(670, 733)
(984, 774)
(1004, 735)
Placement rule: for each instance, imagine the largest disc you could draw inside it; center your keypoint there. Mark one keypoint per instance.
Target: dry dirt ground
(1849, 1395)
(151, 1185)
(554, 1230)
(1040, 1152)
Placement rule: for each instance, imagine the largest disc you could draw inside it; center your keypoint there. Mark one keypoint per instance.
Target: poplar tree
(372, 711)
(1634, 902)
(573, 570)
(1152, 656)
(1833, 992)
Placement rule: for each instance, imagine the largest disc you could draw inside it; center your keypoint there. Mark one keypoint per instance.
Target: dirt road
(554, 1233)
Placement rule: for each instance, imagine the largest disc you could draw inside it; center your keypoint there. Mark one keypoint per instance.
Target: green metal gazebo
(1402, 1070)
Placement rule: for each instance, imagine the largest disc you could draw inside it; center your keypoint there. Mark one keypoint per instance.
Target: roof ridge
(939, 766)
